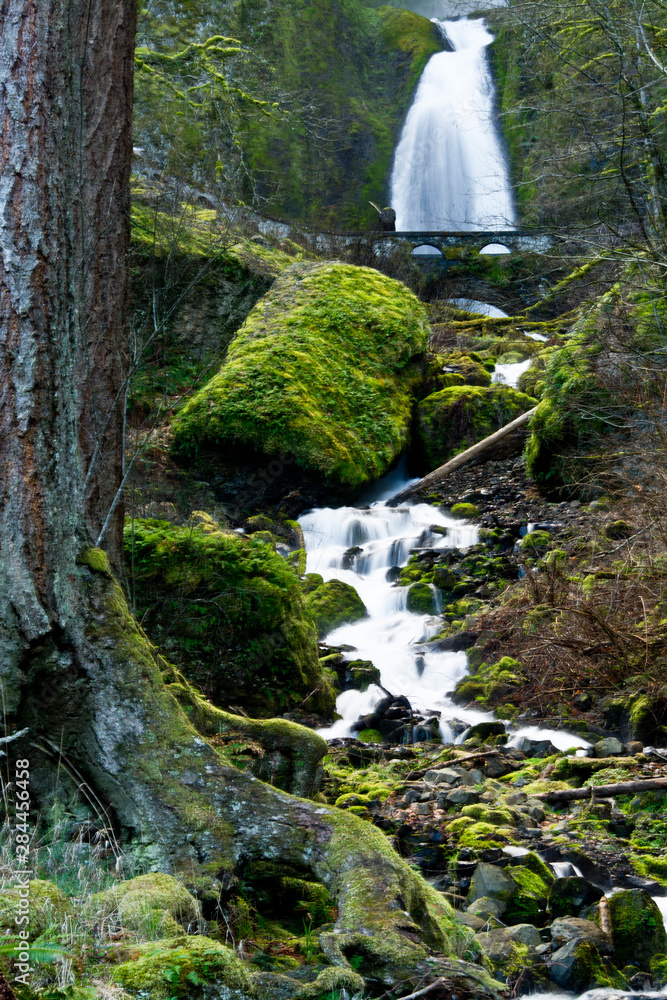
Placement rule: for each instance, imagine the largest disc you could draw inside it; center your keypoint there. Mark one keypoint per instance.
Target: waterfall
(449, 168)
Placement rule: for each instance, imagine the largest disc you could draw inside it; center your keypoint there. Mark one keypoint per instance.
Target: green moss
(465, 510)
(332, 604)
(529, 903)
(316, 373)
(421, 599)
(176, 967)
(371, 736)
(230, 610)
(535, 542)
(48, 909)
(454, 419)
(637, 926)
(154, 903)
(492, 682)
(96, 560)
(481, 836)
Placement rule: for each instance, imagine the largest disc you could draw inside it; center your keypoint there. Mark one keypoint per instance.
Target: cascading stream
(391, 636)
(449, 167)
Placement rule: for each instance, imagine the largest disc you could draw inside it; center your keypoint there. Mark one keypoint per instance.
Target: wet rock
(458, 797)
(484, 730)
(568, 929)
(634, 747)
(610, 747)
(456, 643)
(491, 881)
(568, 896)
(637, 926)
(537, 748)
(577, 967)
(471, 920)
(446, 775)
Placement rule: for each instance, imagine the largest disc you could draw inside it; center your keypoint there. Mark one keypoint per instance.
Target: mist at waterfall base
(449, 168)
(392, 637)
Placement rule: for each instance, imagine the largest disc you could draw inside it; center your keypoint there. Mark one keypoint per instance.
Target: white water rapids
(449, 168)
(391, 636)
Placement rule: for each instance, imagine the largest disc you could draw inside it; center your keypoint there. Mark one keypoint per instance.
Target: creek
(392, 637)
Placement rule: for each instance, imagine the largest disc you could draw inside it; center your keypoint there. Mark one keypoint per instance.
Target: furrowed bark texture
(65, 103)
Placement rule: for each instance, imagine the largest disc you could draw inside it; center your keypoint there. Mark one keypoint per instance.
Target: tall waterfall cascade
(449, 170)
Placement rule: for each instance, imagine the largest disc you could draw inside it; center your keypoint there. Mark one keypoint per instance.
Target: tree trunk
(75, 668)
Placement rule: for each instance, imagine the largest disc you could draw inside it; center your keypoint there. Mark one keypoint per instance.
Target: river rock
(568, 896)
(526, 934)
(445, 776)
(577, 966)
(491, 881)
(502, 949)
(484, 730)
(486, 907)
(611, 747)
(456, 643)
(537, 748)
(568, 929)
(637, 927)
(458, 797)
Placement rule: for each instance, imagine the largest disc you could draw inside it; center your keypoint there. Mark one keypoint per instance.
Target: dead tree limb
(603, 791)
(461, 459)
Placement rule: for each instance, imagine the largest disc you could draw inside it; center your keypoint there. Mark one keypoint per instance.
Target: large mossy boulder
(154, 903)
(230, 612)
(319, 374)
(637, 927)
(454, 419)
(47, 906)
(332, 604)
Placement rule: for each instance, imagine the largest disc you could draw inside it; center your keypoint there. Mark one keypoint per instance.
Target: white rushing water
(511, 373)
(449, 168)
(391, 636)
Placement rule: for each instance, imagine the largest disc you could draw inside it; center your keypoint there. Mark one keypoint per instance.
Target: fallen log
(602, 791)
(461, 459)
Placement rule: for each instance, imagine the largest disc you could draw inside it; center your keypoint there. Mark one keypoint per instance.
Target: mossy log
(603, 791)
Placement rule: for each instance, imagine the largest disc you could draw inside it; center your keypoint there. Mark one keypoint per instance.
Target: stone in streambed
(610, 747)
(578, 966)
(488, 880)
(637, 927)
(486, 907)
(568, 929)
(568, 896)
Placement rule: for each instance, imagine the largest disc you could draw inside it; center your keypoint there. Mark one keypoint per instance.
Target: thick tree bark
(75, 669)
(65, 103)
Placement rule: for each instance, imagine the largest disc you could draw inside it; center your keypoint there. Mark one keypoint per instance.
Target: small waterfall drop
(449, 169)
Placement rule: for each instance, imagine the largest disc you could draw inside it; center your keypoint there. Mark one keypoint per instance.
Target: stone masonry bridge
(515, 241)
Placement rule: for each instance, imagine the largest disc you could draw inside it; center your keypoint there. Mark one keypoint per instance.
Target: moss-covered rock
(317, 373)
(151, 904)
(230, 611)
(181, 966)
(491, 683)
(454, 419)
(529, 903)
(46, 905)
(332, 604)
(637, 926)
(421, 599)
(466, 511)
(577, 966)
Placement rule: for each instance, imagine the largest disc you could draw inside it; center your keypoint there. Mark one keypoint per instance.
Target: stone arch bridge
(516, 241)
